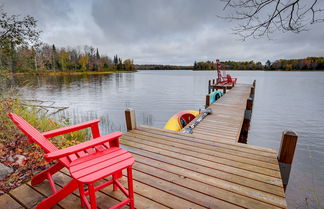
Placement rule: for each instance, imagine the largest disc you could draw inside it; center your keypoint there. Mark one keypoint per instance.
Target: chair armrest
(69, 129)
(83, 146)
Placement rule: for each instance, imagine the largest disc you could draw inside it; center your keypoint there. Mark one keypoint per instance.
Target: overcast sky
(159, 31)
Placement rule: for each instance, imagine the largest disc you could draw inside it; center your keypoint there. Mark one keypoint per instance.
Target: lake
(283, 101)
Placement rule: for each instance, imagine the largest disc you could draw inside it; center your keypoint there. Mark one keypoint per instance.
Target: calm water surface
(284, 100)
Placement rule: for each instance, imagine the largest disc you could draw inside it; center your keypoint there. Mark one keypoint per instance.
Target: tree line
(309, 63)
(47, 58)
(230, 65)
(162, 67)
(22, 51)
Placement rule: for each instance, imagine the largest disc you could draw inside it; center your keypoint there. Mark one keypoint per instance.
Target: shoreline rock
(4, 171)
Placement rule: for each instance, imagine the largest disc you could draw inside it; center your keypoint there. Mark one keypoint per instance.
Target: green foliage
(15, 31)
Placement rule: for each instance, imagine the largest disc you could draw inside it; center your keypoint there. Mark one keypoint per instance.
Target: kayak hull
(214, 96)
(179, 120)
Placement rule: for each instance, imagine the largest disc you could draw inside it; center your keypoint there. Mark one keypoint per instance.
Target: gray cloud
(160, 31)
(48, 13)
(160, 19)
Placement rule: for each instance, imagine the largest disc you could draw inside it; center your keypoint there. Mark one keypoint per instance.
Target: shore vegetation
(18, 156)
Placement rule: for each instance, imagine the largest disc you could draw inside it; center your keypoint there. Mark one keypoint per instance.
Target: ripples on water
(284, 100)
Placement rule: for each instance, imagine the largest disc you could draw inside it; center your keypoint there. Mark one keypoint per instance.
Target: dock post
(286, 154)
(209, 86)
(252, 90)
(207, 100)
(224, 89)
(130, 119)
(246, 121)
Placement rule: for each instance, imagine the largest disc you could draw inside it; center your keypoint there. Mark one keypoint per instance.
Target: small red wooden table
(99, 165)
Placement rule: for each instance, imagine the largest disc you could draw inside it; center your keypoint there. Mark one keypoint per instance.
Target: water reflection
(284, 100)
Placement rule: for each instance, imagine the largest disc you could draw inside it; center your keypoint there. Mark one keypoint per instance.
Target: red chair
(231, 81)
(88, 162)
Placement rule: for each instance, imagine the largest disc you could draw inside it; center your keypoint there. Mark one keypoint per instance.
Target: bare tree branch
(258, 18)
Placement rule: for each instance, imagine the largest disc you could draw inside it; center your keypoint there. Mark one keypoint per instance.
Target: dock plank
(258, 151)
(187, 152)
(218, 152)
(229, 184)
(27, 196)
(8, 202)
(197, 198)
(275, 187)
(201, 188)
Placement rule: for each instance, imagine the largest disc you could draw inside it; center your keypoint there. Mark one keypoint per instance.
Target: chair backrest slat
(32, 133)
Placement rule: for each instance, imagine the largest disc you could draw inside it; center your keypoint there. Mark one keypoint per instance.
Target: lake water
(284, 100)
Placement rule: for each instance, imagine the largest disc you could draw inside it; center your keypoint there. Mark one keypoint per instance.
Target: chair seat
(91, 168)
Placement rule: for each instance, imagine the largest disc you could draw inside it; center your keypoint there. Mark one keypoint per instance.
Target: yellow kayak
(180, 120)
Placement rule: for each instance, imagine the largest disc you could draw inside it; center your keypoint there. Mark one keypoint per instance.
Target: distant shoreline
(73, 73)
(112, 72)
(233, 70)
(266, 70)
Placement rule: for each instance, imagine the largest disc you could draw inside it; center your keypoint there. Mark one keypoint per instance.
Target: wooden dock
(205, 169)
(225, 123)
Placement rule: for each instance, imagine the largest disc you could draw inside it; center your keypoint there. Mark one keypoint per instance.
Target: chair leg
(40, 177)
(130, 187)
(117, 176)
(92, 194)
(115, 187)
(81, 189)
(58, 196)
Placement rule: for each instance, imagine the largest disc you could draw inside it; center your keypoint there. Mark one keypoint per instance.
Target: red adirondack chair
(66, 156)
(225, 79)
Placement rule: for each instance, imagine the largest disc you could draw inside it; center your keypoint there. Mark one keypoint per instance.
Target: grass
(14, 142)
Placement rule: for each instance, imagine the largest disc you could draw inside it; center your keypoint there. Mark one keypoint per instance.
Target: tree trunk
(35, 60)
(11, 58)
(1, 67)
(53, 63)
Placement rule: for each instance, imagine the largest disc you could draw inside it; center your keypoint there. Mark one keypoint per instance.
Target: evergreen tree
(54, 58)
(115, 59)
(268, 65)
(97, 54)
